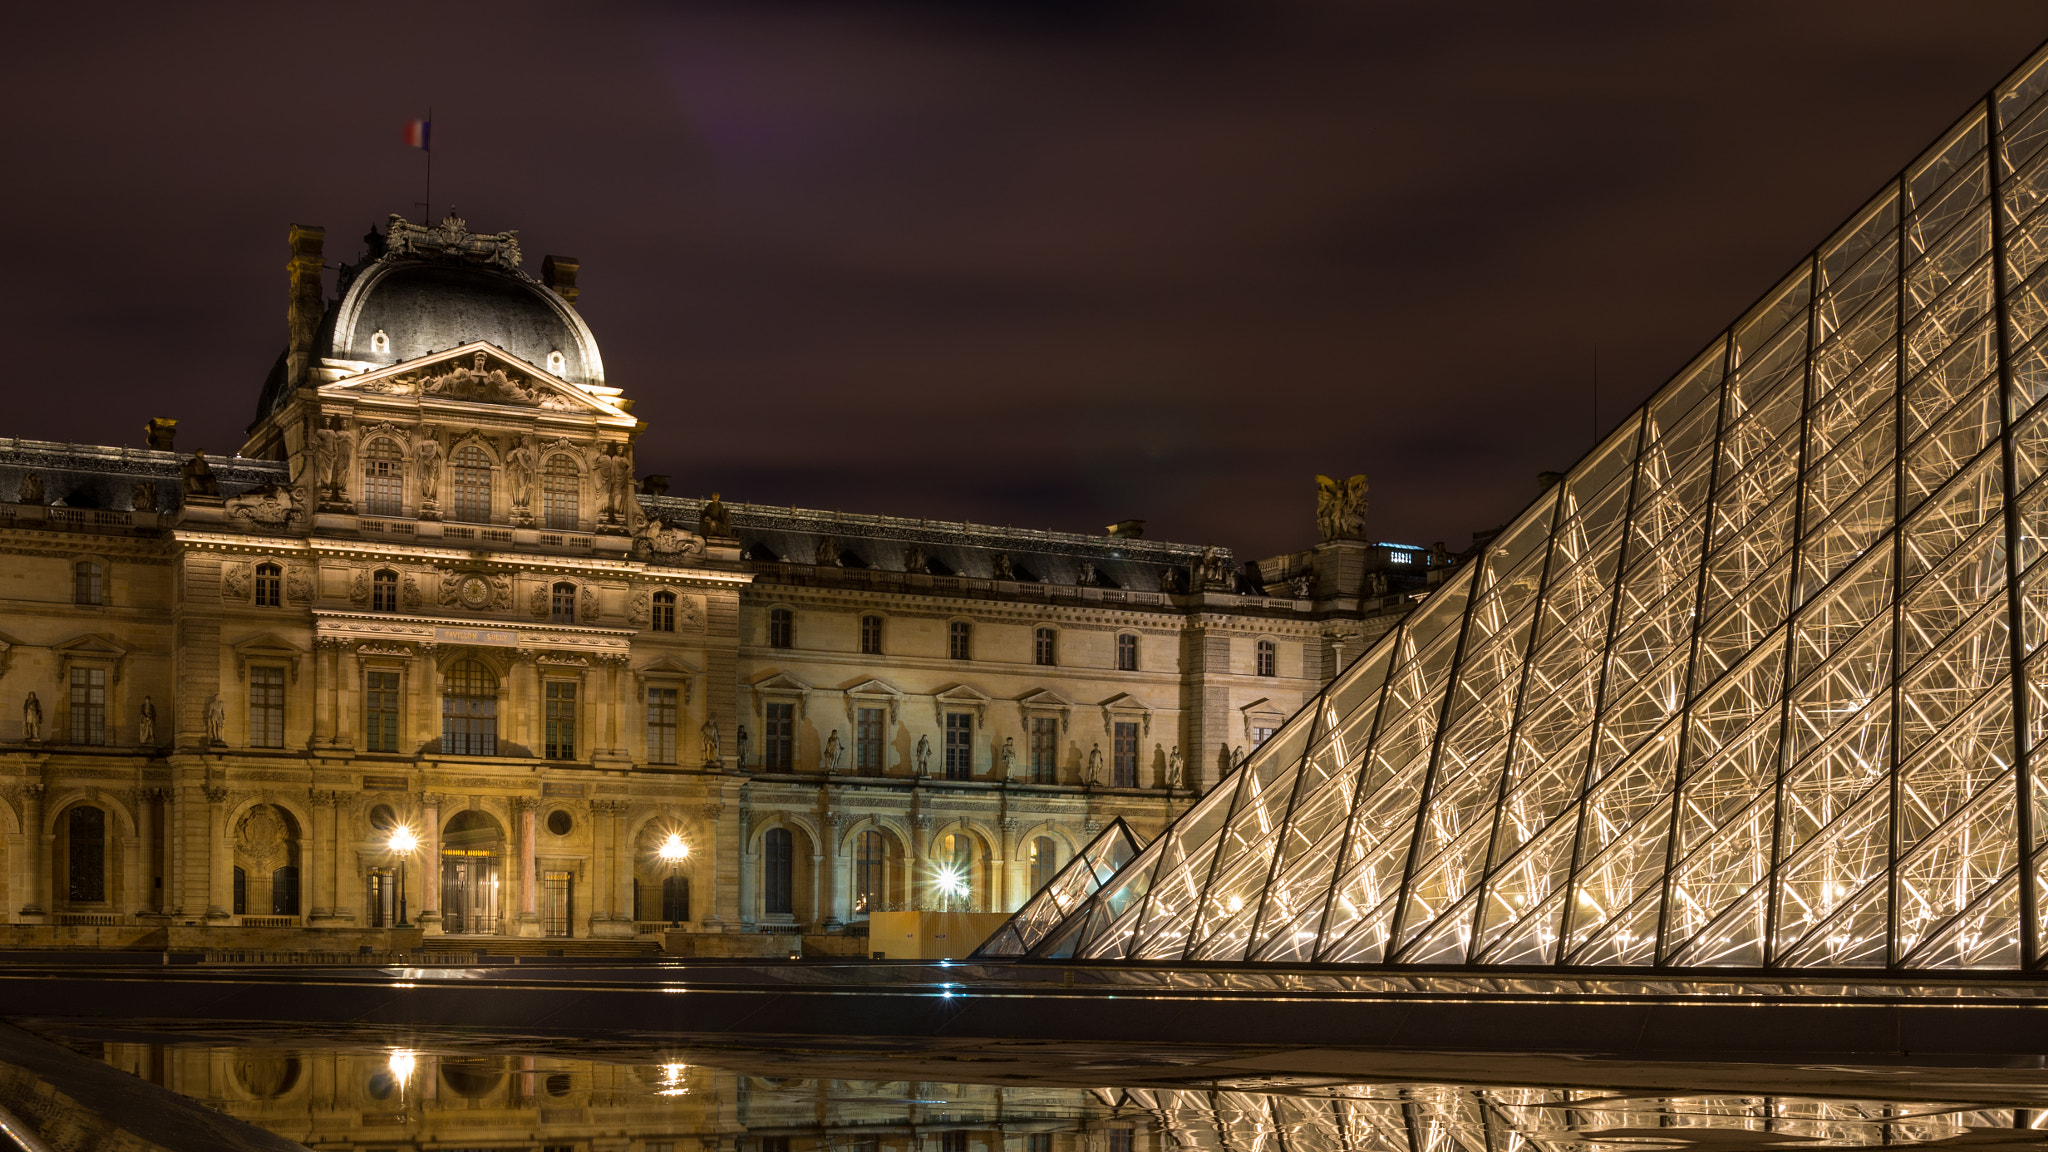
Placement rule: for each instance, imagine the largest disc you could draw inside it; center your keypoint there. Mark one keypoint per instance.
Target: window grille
(266, 707)
(384, 591)
(469, 711)
(88, 584)
(561, 720)
(661, 725)
(86, 828)
(470, 483)
(559, 504)
(384, 478)
(88, 706)
(269, 586)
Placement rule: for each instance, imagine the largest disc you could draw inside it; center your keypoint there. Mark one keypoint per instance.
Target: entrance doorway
(472, 846)
(555, 890)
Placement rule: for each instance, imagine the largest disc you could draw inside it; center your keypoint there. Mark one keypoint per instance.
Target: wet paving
(386, 1090)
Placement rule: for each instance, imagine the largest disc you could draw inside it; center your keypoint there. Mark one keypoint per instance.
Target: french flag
(417, 133)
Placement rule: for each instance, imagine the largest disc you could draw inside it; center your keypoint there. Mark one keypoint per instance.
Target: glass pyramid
(1757, 685)
(1089, 870)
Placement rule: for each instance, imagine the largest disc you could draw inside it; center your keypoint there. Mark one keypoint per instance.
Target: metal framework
(1079, 878)
(1756, 685)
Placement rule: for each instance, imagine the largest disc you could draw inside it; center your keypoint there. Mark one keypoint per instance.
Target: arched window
(240, 906)
(470, 478)
(384, 591)
(870, 873)
(1045, 861)
(777, 856)
(675, 898)
(781, 628)
(269, 586)
(563, 604)
(383, 478)
(86, 875)
(1268, 659)
(664, 612)
(88, 584)
(469, 711)
(284, 891)
(1045, 647)
(558, 485)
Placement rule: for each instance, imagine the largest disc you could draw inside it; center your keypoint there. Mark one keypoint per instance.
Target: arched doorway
(960, 872)
(472, 848)
(267, 862)
(878, 880)
(786, 890)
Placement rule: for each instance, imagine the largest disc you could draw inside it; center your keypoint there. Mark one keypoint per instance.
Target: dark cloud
(1043, 264)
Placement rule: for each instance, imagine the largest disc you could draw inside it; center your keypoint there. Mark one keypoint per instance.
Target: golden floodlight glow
(402, 1063)
(402, 840)
(673, 848)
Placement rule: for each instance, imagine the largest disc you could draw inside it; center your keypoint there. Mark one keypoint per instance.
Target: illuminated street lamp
(952, 880)
(672, 850)
(402, 843)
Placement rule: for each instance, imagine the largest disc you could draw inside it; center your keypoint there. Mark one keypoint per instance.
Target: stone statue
(1087, 576)
(144, 497)
(1009, 758)
(1095, 766)
(32, 719)
(519, 465)
(832, 752)
(1300, 585)
(198, 477)
(216, 719)
(1003, 569)
(1375, 584)
(828, 553)
(1210, 573)
(1173, 769)
(916, 561)
(614, 478)
(330, 455)
(31, 488)
(1169, 580)
(426, 456)
(714, 520)
(1439, 556)
(145, 729)
(741, 738)
(924, 755)
(1340, 507)
(710, 733)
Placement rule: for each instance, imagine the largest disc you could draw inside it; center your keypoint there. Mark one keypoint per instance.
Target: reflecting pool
(383, 1091)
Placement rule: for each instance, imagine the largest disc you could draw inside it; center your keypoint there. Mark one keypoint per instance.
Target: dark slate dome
(423, 307)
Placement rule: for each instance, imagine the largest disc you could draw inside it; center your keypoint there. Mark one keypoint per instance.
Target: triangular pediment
(873, 687)
(476, 373)
(92, 645)
(1044, 698)
(780, 682)
(1751, 687)
(669, 666)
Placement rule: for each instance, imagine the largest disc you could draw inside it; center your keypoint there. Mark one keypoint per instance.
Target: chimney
(161, 432)
(302, 310)
(1126, 529)
(559, 273)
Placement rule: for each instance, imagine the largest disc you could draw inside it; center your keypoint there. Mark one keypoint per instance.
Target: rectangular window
(1124, 769)
(781, 627)
(266, 707)
(87, 584)
(871, 635)
(555, 910)
(1045, 750)
(561, 720)
(1044, 648)
(778, 746)
(867, 741)
(1261, 735)
(562, 604)
(960, 640)
(1127, 653)
(1038, 1142)
(664, 612)
(1267, 659)
(269, 585)
(661, 725)
(959, 746)
(88, 706)
(380, 711)
(954, 1140)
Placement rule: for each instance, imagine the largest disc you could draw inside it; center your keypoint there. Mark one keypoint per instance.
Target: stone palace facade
(431, 594)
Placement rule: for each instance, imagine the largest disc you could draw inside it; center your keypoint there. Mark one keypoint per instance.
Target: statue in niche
(1173, 769)
(1086, 579)
(144, 497)
(1095, 765)
(216, 720)
(713, 519)
(1003, 570)
(1169, 580)
(31, 488)
(32, 719)
(197, 476)
(1340, 507)
(519, 465)
(145, 728)
(833, 751)
(916, 561)
(1009, 758)
(828, 553)
(924, 755)
(1209, 573)
(331, 452)
(741, 745)
(426, 457)
(1375, 583)
(710, 734)
(615, 479)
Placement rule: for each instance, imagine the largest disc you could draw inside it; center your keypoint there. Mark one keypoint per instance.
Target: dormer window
(380, 343)
(558, 364)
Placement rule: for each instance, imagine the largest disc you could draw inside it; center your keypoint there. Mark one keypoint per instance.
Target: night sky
(1049, 264)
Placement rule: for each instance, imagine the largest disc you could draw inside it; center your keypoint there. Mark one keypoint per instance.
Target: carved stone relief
(235, 582)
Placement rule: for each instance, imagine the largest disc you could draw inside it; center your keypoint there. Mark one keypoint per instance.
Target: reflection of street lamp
(672, 850)
(402, 842)
(401, 1071)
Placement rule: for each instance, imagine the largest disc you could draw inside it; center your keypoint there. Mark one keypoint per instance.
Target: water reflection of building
(352, 1100)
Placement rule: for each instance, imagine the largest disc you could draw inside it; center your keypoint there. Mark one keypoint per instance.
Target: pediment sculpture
(663, 539)
(451, 239)
(270, 506)
(477, 381)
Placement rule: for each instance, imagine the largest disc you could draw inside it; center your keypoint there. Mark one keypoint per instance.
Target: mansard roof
(97, 476)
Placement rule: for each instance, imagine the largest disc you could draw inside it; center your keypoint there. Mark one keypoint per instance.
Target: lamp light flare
(402, 1063)
(673, 848)
(952, 880)
(403, 840)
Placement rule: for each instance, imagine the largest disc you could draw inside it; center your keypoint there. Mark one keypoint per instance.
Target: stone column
(920, 856)
(316, 883)
(1011, 857)
(622, 869)
(146, 838)
(348, 677)
(219, 861)
(429, 917)
(529, 913)
(747, 866)
(342, 876)
(36, 850)
(835, 909)
(714, 858)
